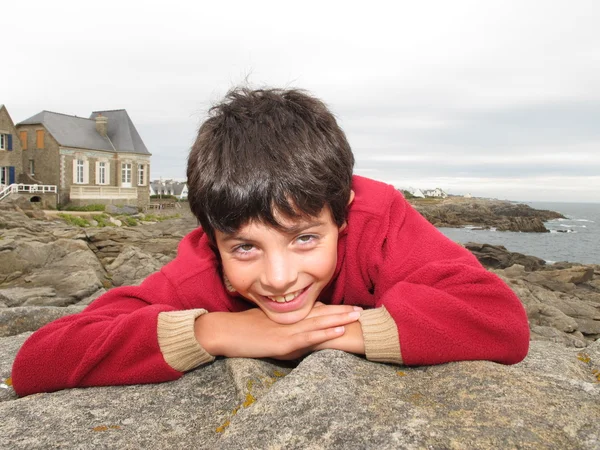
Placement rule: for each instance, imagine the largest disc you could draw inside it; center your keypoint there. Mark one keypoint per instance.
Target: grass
(427, 200)
(103, 220)
(74, 220)
(160, 218)
(129, 221)
(92, 207)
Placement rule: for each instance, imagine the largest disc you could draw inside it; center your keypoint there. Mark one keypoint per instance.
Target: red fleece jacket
(446, 306)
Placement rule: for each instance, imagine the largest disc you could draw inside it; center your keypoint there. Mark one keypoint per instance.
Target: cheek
(239, 275)
(322, 265)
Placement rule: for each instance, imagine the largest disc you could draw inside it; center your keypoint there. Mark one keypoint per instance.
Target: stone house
(11, 153)
(100, 159)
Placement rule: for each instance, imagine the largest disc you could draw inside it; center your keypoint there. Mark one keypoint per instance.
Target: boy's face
(282, 272)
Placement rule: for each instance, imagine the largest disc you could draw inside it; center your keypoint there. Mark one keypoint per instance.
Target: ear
(349, 202)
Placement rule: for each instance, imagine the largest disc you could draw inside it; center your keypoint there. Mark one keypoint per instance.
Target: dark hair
(265, 151)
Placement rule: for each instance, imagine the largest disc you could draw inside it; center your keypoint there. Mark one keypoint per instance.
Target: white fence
(27, 189)
(102, 193)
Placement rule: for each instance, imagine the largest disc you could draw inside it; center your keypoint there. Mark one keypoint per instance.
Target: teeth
(286, 298)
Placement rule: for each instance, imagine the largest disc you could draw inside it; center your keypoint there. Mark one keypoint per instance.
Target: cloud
(465, 94)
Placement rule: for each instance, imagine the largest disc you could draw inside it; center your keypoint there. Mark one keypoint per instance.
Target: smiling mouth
(285, 298)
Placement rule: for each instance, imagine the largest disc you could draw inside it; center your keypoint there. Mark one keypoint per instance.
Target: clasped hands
(251, 334)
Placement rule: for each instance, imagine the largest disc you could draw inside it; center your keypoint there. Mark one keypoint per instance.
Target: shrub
(103, 220)
(160, 218)
(129, 221)
(92, 207)
(74, 220)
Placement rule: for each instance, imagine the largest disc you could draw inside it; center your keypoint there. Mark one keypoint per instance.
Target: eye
(244, 248)
(306, 239)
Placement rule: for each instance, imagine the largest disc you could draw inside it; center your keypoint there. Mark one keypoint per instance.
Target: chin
(287, 318)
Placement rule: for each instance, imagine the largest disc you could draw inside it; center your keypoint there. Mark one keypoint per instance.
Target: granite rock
(484, 213)
(330, 400)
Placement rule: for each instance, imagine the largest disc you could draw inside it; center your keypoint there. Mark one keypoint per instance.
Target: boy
(294, 254)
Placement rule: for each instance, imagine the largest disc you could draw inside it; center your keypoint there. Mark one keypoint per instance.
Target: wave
(574, 226)
(563, 231)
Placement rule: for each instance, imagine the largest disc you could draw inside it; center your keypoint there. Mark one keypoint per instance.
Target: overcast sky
(493, 98)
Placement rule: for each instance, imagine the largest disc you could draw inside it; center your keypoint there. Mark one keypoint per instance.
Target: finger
(310, 339)
(323, 322)
(332, 309)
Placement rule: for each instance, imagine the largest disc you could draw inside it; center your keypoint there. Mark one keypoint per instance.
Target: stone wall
(45, 159)
(10, 158)
(114, 163)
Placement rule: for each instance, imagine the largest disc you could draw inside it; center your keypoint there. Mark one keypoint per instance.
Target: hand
(251, 334)
(351, 341)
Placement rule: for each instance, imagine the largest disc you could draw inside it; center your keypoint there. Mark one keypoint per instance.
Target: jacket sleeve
(445, 305)
(113, 341)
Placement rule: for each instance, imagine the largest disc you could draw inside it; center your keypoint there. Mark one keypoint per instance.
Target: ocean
(575, 239)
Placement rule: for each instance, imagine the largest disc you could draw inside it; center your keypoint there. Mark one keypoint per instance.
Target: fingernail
(354, 315)
(357, 308)
(339, 329)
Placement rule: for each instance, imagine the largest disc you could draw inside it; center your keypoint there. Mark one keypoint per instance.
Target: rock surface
(497, 257)
(503, 215)
(331, 399)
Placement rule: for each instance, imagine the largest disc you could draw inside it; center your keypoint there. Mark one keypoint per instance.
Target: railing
(27, 188)
(102, 192)
(163, 205)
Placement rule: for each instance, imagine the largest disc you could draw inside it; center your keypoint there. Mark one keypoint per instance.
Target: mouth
(285, 298)
(279, 307)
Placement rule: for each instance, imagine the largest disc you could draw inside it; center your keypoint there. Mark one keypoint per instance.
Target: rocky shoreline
(330, 399)
(457, 212)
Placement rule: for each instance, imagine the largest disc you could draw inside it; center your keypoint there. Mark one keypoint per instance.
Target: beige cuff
(177, 340)
(380, 334)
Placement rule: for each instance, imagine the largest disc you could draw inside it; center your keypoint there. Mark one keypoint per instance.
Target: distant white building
(437, 193)
(416, 192)
(178, 189)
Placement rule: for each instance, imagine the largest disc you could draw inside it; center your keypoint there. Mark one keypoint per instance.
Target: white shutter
(86, 172)
(75, 171)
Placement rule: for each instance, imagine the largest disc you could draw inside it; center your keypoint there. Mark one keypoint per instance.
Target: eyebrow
(295, 229)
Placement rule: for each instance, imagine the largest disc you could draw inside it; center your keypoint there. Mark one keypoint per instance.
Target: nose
(280, 273)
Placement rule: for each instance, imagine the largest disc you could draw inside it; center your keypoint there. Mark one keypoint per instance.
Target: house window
(23, 135)
(141, 174)
(79, 171)
(7, 175)
(4, 175)
(3, 141)
(39, 134)
(101, 173)
(126, 175)
(31, 167)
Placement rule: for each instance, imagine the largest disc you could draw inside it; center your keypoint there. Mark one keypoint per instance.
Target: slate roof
(173, 186)
(79, 132)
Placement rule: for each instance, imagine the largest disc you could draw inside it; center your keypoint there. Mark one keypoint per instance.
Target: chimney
(102, 125)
